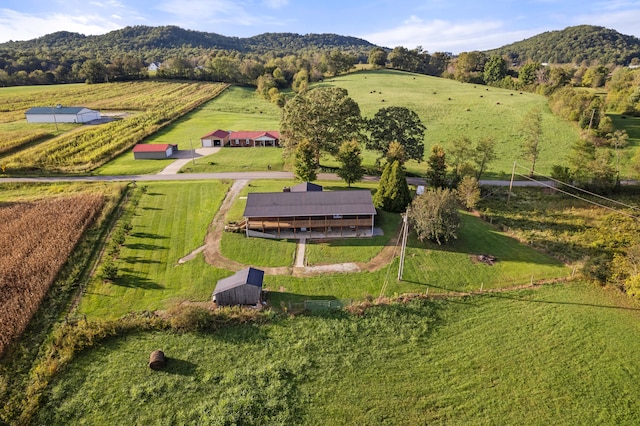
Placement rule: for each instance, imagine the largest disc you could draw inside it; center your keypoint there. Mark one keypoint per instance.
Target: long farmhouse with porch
(309, 214)
(241, 139)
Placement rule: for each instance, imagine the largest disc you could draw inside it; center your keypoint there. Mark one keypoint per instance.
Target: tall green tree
(393, 192)
(437, 167)
(434, 215)
(528, 73)
(305, 164)
(485, 154)
(94, 71)
(377, 57)
(350, 159)
(325, 116)
(495, 69)
(398, 124)
(531, 131)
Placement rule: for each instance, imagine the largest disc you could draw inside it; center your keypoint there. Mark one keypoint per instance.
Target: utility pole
(591, 120)
(53, 111)
(193, 153)
(405, 231)
(513, 173)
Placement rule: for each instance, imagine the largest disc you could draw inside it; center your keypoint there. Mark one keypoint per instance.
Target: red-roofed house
(241, 139)
(151, 151)
(217, 138)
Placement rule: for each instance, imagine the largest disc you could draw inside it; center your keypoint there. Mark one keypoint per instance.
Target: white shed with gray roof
(242, 288)
(60, 114)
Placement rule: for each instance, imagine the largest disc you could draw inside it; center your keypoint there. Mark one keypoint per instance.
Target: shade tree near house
(434, 215)
(324, 116)
(305, 162)
(350, 158)
(398, 124)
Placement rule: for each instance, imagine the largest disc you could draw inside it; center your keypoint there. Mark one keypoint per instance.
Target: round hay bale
(157, 360)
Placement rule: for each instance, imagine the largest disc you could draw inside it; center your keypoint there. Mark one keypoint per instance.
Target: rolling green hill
(142, 38)
(574, 45)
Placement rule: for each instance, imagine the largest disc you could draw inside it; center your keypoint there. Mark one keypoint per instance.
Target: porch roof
(314, 203)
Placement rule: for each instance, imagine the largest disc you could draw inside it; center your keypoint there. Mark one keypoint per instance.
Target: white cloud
(624, 21)
(448, 36)
(22, 26)
(202, 14)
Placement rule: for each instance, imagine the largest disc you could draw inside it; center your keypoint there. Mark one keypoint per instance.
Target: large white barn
(60, 114)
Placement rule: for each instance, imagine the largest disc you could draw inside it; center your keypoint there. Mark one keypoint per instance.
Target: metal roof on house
(218, 134)
(151, 147)
(312, 203)
(56, 110)
(272, 134)
(250, 276)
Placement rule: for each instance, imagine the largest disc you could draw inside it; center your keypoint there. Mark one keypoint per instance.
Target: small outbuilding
(150, 151)
(60, 114)
(306, 187)
(242, 288)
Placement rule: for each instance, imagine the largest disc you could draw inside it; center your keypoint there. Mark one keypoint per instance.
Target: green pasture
(450, 110)
(559, 354)
(237, 108)
(169, 222)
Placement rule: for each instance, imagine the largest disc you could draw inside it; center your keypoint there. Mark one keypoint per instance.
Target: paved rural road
(236, 176)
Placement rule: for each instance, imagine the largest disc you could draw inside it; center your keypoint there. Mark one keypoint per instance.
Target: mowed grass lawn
(237, 108)
(170, 221)
(561, 354)
(172, 218)
(240, 160)
(429, 267)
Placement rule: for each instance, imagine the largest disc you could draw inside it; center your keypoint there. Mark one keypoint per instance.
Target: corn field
(37, 238)
(152, 106)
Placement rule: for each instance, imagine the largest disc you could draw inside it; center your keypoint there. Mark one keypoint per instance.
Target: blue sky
(436, 25)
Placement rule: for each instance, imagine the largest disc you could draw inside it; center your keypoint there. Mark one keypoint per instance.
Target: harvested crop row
(37, 239)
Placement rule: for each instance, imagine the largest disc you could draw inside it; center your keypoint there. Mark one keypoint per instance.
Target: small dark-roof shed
(306, 187)
(242, 288)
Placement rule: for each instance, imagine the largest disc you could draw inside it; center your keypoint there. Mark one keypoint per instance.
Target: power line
(395, 250)
(576, 188)
(582, 198)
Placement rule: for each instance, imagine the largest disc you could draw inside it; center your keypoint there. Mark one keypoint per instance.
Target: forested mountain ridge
(146, 38)
(574, 45)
